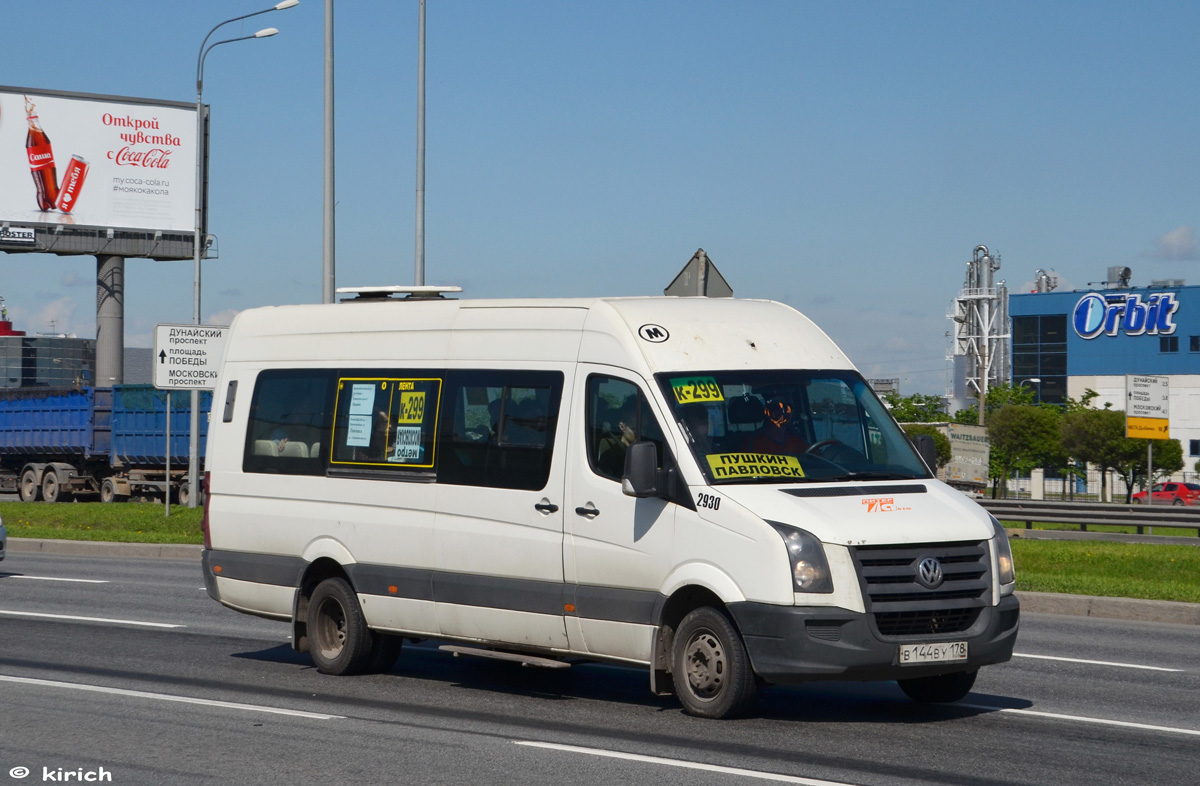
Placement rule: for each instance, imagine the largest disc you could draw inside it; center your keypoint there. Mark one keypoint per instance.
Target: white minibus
(704, 487)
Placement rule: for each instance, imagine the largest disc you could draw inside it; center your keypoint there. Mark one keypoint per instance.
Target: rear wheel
(1178, 502)
(51, 488)
(710, 668)
(939, 689)
(29, 488)
(338, 638)
(108, 490)
(384, 652)
(184, 494)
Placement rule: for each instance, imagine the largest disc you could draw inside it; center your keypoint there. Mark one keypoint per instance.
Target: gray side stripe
(258, 568)
(496, 592)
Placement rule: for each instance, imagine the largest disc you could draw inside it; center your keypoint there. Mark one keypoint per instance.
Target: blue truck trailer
(110, 443)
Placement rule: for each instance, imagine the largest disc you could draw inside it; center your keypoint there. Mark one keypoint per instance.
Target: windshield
(788, 427)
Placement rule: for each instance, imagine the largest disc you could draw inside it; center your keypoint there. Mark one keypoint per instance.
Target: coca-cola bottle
(41, 160)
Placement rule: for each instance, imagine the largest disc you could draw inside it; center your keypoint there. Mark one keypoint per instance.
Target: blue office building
(1064, 343)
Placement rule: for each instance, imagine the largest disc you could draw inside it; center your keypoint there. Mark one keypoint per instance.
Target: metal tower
(982, 327)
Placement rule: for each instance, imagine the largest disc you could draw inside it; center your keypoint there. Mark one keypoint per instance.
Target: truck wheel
(108, 490)
(939, 689)
(384, 652)
(710, 668)
(184, 494)
(51, 490)
(338, 638)
(29, 488)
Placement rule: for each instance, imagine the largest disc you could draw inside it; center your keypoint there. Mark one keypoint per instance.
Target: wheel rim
(330, 634)
(705, 662)
(50, 487)
(28, 486)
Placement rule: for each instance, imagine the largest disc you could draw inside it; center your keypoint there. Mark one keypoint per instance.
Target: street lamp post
(193, 482)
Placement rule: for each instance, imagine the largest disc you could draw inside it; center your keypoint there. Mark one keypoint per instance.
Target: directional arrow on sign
(162, 357)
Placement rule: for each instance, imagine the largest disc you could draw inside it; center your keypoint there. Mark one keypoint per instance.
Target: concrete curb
(96, 548)
(1031, 602)
(1110, 608)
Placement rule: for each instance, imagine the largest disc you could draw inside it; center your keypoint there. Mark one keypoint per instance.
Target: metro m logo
(655, 334)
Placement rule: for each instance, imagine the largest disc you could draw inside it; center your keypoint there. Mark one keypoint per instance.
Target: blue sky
(844, 158)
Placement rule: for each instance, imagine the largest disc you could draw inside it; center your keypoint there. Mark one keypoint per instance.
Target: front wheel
(338, 637)
(939, 689)
(29, 488)
(710, 667)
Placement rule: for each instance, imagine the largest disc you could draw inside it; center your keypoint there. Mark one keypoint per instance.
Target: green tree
(1024, 436)
(941, 442)
(1097, 436)
(997, 396)
(1168, 459)
(917, 408)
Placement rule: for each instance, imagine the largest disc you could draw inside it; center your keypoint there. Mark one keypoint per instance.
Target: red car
(1171, 494)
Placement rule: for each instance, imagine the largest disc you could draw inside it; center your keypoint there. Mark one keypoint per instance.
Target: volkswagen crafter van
(703, 487)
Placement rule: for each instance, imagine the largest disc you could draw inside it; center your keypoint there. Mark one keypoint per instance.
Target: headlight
(810, 569)
(1004, 558)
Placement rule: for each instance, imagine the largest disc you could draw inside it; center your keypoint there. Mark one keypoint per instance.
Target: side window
(500, 428)
(618, 414)
(386, 423)
(289, 412)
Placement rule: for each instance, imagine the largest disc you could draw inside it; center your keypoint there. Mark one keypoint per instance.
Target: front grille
(901, 606)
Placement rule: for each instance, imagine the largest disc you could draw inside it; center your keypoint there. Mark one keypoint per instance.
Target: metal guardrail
(1094, 513)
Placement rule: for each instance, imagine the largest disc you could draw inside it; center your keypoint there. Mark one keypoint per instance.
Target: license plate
(932, 653)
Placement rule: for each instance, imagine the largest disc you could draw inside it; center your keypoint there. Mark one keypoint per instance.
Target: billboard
(71, 161)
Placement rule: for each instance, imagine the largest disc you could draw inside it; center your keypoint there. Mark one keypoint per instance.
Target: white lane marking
(1082, 719)
(40, 615)
(138, 694)
(53, 578)
(1094, 662)
(690, 765)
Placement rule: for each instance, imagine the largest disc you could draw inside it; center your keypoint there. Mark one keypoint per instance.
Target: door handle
(589, 511)
(546, 506)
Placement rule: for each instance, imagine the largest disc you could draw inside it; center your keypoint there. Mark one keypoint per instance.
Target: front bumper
(797, 644)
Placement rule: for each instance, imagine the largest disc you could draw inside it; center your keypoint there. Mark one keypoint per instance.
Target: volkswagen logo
(929, 572)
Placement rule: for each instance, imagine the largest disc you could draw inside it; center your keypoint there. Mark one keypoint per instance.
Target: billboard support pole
(328, 249)
(419, 276)
(110, 321)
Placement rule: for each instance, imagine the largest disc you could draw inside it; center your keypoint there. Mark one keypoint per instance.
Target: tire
(338, 638)
(29, 489)
(108, 490)
(51, 489)
(711, 670)
(184, 494)
(1178, 502)
(384, 652)
(939, 689)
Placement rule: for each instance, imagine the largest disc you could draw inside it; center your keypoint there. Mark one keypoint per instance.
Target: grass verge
(128, 522)
(1118, 570)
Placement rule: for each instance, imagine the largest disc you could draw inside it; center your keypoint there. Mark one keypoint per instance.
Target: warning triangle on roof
(699, 278)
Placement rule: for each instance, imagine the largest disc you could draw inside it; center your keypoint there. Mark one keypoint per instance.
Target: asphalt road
(141, 676)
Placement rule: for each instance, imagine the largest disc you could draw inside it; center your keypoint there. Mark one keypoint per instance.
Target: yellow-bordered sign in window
(750, 465)
(386, 422)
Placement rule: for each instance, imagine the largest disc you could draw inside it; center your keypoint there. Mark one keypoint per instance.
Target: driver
(774, 436)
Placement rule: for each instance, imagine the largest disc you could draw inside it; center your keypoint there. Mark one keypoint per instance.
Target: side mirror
(641, 478)
(927, 450)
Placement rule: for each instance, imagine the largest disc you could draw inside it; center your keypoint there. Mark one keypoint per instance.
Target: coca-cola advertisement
(96, 161)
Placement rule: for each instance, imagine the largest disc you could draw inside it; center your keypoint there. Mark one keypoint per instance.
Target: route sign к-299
(1146, 415)
(188, 356)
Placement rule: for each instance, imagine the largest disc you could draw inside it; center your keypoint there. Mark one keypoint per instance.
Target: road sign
(1146, 414)
(188, 357)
